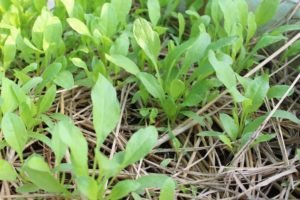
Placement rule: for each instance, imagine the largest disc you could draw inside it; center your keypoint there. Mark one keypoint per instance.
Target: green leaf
(152, 181)
(264, 138)
(123, 62)
(79, 63)
(123, 188)
(7, 172)
(168, 190)
(225, 73)
(140, 144)
(47, 100)
(52, 33)
(78, 26)
(110, 168)
(38, 172)
(225, 140)
(106, 108)
(57, 145)
(278, 91)
(265, 11)
(65, 79)
(14, 132)
(153, 11)
(147, 39)
(267, 40)
(251, 26)
(229, 126)
(194, 116)
(122, 8)
(282, 114)
(152, 85)
(210, 133)
(177, 88)
(10, 102)
(257, 90)
(71, 136)
(9, 52)
(88, 187)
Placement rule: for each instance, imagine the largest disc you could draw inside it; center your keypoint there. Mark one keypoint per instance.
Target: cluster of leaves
(179, 60)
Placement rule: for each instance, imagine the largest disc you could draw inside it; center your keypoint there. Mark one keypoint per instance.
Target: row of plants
(180, 54)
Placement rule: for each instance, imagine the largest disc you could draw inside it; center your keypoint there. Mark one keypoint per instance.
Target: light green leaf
(168, 190)
(57, 145)
(65, 79)
(14, 132)
(147, 39)
(122, 8)
(123, 62)
(7, 172)
(106, 108)
(152, 181)
(78, 26)
(225, 140)
(39, 173)
(153, 11)
(282, 114)
(47, 100)
(71, 136)
(177, 88)
(123, 188)
(52, 33)
(152, 85)
(194, 116)
(229, 126)
(88, 187)
(278, 91)
(9, 51)
(225, 73)
(265, 11)
(267, 40)
(263, 138)
(257, 90)
(209, 133)
(10, 102)
(140, 144)
(79, 63)
(251, 26)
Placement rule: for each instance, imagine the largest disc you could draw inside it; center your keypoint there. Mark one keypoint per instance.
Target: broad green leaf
(229, 126)
(223, 42)
(70, 6)
(267, 40)
(65, 79)
(286, 28)
(14, 132)
(78, 26)
(225, 140)
(140, 144)
(38, 172)
(106, 108)
(122, 8)
(282, 114)
(265, 11)
(10, 102)
(52, 33)
(177, 88)
(153, 11)
(7, 171)
(88, 187)
(57, 145)
(108, 20)
(123, 188)
(9, 52)
(168, 190)
(79, 63)
(253, 125)
(51, 71)
(123, 62)
(71, 136)
(27, 187)
(152, 85)
(225, 73)
(278, 91)
(256, 91)
(31, 84)
(110, 168)
(293, 50)
(120, 46)
(147, 39)
(47, 100)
